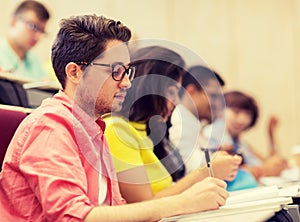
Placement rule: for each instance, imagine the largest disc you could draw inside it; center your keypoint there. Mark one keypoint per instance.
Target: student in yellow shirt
(150, 100)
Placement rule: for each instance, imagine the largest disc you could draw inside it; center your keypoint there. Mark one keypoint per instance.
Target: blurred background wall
(253, 44)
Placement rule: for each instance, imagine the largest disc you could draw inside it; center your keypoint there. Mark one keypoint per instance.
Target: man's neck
(187, 102)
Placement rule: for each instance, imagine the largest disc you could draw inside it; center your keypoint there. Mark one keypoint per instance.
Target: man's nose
(125, 83)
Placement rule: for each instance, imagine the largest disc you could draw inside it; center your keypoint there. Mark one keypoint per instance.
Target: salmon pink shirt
(56, 166)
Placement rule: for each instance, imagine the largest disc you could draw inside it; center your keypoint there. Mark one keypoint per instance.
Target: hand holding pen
(208, 161)
(225, 165)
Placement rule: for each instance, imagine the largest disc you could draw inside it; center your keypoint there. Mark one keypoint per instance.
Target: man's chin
(116, 107)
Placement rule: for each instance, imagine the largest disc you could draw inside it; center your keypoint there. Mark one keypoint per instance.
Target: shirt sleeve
(185, 135)
(51, 163)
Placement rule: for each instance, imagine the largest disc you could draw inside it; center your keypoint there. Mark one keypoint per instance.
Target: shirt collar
(101, 124)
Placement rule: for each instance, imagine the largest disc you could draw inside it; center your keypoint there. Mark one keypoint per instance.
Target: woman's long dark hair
(157, 68)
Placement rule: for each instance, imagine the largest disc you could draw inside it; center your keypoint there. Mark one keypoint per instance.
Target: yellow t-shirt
(131, 148)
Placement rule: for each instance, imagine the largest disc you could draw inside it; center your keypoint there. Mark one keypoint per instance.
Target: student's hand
(273, 165)
(226, 147)
(209, 194)
(225, 166)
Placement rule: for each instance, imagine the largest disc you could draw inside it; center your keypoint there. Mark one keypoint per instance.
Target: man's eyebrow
(118, 63)
(126, 64)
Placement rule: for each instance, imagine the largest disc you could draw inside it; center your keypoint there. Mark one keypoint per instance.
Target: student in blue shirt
(27, 26)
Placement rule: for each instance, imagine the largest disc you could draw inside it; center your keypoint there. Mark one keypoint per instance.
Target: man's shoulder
(7, 55)
(182, 115)
(52, 108)
(3, 42)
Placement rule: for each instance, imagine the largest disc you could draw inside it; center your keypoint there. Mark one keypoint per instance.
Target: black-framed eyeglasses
(31, 26)
(118, 70)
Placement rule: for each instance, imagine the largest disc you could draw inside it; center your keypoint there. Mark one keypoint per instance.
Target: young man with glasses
(27, 26)
(58, 166)
(201, 100)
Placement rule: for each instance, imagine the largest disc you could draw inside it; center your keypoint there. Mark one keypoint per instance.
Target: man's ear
(191, 88)
(73, 72)
(13, 20)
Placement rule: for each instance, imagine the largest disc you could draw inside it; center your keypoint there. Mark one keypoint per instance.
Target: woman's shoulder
(110, 119)
(118, 124)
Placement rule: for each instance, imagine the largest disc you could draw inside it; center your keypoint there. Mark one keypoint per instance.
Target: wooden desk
(16, 108)
(256, 204)
(30, 84)
(44, 85)
(35, 91)
(14, 78)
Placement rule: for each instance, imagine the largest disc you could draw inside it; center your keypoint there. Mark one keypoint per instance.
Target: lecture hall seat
(10, 118)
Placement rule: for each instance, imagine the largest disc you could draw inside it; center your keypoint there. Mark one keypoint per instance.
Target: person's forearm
(144, 211)
(256, 171)
(273, 121)
(184, 183)
(208, 194)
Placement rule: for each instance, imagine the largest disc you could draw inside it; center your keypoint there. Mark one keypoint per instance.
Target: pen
(207, 158)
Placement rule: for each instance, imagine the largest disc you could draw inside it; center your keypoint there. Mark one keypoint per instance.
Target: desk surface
(256, 204)
(47, 85)
(29, 83)
(16, 108)
(12, 77)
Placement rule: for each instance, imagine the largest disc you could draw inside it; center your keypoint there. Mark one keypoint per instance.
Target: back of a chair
(13, 93)
(9, 122)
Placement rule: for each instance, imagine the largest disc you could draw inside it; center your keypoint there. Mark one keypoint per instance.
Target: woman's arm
(272, 125)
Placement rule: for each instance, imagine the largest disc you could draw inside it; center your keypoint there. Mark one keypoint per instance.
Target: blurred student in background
(130, 133)
(27, 26)
(202, 88)
(241, 115)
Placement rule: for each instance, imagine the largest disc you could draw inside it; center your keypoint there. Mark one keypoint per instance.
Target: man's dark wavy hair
(82, 39)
